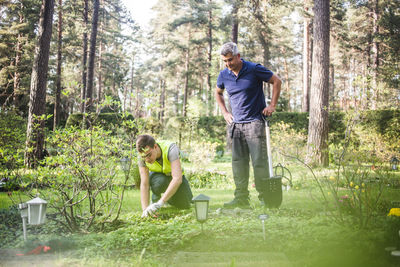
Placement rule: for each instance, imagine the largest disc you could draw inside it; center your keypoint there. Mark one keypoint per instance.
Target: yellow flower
(351, 184)
(356, 187)
(394, 212)
(332, 178)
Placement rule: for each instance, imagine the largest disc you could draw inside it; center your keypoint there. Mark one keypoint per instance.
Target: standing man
(243, 80)
(160, 170)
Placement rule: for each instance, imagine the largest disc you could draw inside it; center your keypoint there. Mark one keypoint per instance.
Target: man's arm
(144, 186)
(219, 96)
(176, 172)
(276, 90)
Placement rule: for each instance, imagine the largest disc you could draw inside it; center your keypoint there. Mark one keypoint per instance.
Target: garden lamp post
(263, 217)
(394, 161)
(201, 207)
(34, 211)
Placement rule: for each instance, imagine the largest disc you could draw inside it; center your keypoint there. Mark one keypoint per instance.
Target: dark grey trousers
(159, 183)
(248, 140)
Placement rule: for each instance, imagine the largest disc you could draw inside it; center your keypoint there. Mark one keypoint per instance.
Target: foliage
(105, 120)
(209, 178)
(358, 192)
(386, 124)
(392, 228)
(10, 224)
(286, 140)
(12, 139)
(81, 172)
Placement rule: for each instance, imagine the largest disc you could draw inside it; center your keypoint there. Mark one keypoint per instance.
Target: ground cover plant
(329, 216)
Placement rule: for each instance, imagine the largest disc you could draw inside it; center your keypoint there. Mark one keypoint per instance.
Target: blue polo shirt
(245, 91)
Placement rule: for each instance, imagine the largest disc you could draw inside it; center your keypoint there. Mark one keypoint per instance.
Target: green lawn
(302, 232)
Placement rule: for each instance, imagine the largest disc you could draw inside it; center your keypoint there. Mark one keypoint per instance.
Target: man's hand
(228, 117)
(151, 209)
(268, 110)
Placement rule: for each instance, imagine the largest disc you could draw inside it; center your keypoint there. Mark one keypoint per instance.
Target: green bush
(12, 139)
(86, 185)
(106, 120)
(385, 123)
(206, 179)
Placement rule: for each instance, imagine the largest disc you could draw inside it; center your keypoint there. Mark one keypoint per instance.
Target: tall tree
(374, 11)
(235, 21)
(186, 83)
(37, 103)
(318, 123)
(57, 104)
(18, 52)
(210, 50)
(18, 28)
(92, 54)
(305, 107)
(84, 53)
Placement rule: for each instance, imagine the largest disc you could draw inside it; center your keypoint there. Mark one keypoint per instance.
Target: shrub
(82, 175)
(106, 120)
(206, 178)
(12, 139)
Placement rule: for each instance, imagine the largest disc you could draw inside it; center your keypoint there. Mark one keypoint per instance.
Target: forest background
(100, 60)
(80, 79)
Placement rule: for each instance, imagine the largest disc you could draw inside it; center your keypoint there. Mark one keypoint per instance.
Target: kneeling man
(160, 170)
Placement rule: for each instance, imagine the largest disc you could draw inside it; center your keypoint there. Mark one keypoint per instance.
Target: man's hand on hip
(151, 209)
(228, 117)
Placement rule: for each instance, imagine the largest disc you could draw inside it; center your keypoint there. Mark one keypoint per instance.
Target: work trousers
(248, 140)
(159, 182)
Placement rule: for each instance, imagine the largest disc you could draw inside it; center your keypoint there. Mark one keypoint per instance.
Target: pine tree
(318, 123)
(35, 130)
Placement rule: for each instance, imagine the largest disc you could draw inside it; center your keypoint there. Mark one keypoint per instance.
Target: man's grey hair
(229, 48)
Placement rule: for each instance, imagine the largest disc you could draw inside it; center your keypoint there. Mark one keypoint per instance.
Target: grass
(302, 230)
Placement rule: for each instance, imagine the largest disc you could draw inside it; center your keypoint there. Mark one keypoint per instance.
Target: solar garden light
(125, 164)
(263, 217)
(396, 253)
(201, 207)
(394, 161)
(34, 211)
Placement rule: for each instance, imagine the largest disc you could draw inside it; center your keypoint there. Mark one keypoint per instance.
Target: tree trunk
(99, 77)
(318, 123)
(305, 107)
(99, 71)
(287, 82)
(18, 55)
(132, 83)
(375, 52)
(210, 50)
(37, 102)
(92, 54)
(162, 100)
(186, 86)
(235, 21)
(84, 54)
(57, 101)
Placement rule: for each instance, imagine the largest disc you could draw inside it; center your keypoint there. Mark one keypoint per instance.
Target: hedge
(384, 122)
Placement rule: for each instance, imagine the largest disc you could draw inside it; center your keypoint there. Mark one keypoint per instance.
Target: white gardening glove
(151, 209)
